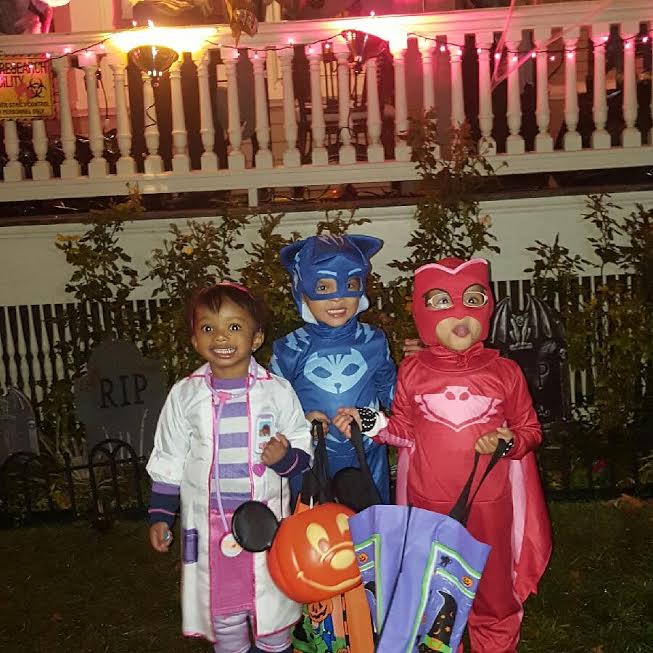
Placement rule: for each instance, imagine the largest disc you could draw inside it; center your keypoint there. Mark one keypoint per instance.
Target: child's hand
(488, 443)
(412, 346)
(316, 415)
(343, 419)
(160, 537)
(275, 449)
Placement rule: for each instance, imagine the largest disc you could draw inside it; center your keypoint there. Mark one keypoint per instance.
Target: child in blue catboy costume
(334, 360)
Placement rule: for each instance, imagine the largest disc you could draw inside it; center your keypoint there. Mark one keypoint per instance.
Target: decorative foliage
(448, 215)
(101, 271)
(101, 275)
(264, 275)
(193, 258)
(608, 325)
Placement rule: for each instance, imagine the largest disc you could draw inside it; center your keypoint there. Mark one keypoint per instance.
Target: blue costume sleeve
(285, 357)
(385, 376)
(276, 364)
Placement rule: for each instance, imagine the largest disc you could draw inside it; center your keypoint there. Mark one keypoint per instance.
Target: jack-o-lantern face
(320, 610)
(312, 557)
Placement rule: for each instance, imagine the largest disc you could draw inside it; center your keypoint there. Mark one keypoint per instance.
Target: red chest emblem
(457, 407)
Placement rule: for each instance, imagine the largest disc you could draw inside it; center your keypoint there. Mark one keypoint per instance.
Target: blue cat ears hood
(328, 255)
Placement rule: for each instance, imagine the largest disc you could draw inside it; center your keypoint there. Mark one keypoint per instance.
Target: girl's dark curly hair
(211, 297)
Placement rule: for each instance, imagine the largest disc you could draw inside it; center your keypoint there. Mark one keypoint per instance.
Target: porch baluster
(600, 136)
(125, 166)
(457, 94)
(375, 153)
(180, 158)
(153, 160)
(11, 367)
(402, 149)
(264, 155)
(347, 152)
(209, 159)
(98, 166)
(630, 136)
(236, 158)
(42, 168)
(572, 140)
(291, 156)
(427, 49)
(14, 169)
(543, 140)
(319, 153)
(515, 141)
(487, 145)
(70, 168)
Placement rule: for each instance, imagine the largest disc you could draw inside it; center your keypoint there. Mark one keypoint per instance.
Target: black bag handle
(321, 462)
(460, 511)
(316, 482)
(357, 443)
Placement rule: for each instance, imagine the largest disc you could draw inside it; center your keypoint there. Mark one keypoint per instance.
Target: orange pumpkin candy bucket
(310, 554)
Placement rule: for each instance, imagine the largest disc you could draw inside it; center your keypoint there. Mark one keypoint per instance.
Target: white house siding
(33, 271)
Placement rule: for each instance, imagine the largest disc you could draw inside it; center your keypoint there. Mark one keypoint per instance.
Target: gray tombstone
(18, 430)
(120, 396)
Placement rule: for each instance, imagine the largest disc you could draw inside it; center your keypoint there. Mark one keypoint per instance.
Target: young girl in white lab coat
(228, 433)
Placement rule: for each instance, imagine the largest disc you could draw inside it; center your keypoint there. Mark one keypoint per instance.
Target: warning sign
(26, 87)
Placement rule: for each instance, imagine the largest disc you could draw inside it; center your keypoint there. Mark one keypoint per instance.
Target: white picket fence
(29, 338)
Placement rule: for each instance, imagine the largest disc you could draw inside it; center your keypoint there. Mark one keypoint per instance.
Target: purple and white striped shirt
(231, 446)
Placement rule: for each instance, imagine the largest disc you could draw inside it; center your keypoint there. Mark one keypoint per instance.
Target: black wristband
(368, 418)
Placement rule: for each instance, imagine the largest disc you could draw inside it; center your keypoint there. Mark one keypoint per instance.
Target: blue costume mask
(329, 257)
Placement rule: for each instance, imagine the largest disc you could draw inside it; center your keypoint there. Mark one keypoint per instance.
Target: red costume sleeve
(398, 431)
(400, 423)
(520, 415)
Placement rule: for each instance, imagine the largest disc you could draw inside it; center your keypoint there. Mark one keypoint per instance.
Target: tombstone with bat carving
(534, 338)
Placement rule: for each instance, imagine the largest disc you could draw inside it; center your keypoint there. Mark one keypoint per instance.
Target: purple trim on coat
(190, 545)
(165, 488)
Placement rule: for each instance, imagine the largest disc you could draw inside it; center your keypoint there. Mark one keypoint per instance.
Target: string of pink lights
(458, 49)
(644, 37)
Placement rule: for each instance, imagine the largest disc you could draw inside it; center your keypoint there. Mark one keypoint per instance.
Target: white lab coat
(183, 454)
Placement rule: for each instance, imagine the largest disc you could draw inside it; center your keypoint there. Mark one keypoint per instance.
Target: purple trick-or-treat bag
(420, 570)
(422, 604)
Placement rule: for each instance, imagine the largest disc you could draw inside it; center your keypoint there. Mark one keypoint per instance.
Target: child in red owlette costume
(456, 397)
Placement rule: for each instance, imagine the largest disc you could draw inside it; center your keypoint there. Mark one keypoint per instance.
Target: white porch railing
(279, 131)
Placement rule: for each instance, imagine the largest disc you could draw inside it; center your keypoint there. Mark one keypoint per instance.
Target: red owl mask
(453, 276)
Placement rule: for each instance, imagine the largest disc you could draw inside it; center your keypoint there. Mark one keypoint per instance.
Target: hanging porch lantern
(145, 47)
(362, 46)
(153, 60)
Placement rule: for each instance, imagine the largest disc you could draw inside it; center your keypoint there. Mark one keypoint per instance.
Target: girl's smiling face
(226, 339)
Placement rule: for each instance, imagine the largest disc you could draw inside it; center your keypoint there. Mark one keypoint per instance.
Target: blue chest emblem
(335, 373)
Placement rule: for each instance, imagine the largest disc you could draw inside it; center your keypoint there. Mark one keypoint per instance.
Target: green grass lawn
(70, 589)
